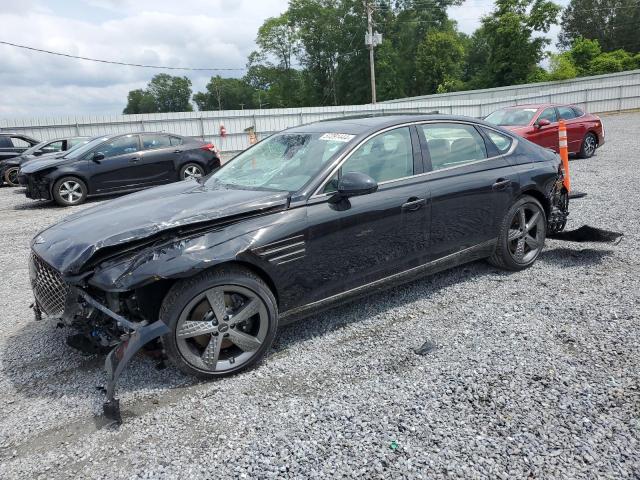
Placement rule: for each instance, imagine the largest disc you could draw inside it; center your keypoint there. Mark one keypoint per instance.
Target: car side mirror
(97, 157)
(353, 184)
(543, 122)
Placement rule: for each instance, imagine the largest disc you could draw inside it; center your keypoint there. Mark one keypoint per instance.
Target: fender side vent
(283, 251)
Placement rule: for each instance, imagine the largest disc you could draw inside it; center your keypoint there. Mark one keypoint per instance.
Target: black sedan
(309, 217)
(118, 163)
(9, 168)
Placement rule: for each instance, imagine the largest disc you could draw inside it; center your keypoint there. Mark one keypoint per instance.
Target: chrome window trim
(319, 194)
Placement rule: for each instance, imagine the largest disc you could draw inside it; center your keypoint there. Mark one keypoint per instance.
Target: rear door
(471, 183)
(158, 159)
(546, 136)
(576, 128)
(119, 169)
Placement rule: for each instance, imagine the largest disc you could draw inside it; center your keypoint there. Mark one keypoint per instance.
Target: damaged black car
(307, 218)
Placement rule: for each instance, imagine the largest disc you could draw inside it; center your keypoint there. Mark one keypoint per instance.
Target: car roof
(541, 105)
(366, 124)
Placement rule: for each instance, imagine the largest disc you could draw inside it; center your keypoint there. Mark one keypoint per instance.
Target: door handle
(413, 204)
(178, 151)
(134, 160)
(501, 184)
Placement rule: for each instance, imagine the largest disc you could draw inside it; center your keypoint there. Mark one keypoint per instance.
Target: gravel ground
(532, 374)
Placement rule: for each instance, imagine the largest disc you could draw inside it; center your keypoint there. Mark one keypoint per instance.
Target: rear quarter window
(5, 142)
(175, 141)
(501, 141)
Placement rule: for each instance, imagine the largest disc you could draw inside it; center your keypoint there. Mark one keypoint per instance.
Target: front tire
(11, 176)
(221, 321)
(69, 191)
(522, 235)
(589, 145)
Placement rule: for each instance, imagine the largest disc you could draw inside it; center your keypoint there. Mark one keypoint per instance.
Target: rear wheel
(589, 145)
(11, 176)
(69, 191)
(222, 321)
(191, 170)
(522, 235)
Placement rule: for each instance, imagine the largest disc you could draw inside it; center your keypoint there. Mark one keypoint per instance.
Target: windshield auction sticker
(337, 137)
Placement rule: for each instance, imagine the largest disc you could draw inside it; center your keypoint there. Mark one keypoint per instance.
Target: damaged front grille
(48, 287)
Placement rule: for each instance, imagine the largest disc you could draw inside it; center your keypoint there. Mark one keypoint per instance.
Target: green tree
(439, 62)
(140, 101)
(583, 52)
(613, 23)
(226, 94)
(562, 67)
(171, 94)
(164, 93)
(507, 35)
(612, 62)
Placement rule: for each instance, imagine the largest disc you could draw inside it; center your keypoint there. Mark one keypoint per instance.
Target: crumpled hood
(69, 244)
(45, 161)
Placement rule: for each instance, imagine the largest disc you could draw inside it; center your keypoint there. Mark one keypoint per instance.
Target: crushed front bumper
(36, 189)
(71, 303)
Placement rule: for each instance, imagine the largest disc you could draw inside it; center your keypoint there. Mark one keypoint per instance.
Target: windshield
(283, 162)
(79, 150)
(512, 116)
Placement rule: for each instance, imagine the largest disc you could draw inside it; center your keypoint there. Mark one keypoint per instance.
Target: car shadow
(569, 257)
(39, 364)
(50, 204)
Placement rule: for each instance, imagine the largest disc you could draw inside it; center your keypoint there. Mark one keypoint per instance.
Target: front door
(120, 167)
(546, 136)
(362, 239)
(470, 191)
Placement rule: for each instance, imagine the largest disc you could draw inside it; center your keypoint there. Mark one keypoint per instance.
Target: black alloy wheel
(522, 235)
(222, 321)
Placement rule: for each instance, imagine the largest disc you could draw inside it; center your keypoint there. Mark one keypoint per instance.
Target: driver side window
(120, 146)
(549, 114)
(385, 157)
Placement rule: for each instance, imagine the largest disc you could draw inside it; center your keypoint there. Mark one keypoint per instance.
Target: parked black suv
(9, 168)
(13, 144)
(118, 163)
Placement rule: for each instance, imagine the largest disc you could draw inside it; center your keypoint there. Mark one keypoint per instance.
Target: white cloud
(190, 33)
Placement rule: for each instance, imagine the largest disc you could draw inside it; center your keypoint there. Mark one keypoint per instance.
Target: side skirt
(477, 252)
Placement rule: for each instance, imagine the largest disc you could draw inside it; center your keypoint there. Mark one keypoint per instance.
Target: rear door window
(5, 142)
(452, 145)
(20, 142)
(501, 141)
(153, 141)
(566, 113)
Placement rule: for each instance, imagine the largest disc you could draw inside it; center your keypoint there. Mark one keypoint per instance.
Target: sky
(185, 33)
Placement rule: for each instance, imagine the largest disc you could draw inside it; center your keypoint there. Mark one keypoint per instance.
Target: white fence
(602, 93)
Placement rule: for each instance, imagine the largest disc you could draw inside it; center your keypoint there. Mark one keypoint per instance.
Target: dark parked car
(309, 217)
(118, 163)
(13, 144)
(9, 168)
(539, 124)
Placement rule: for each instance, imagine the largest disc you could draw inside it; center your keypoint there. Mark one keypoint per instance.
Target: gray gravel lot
(534, 374)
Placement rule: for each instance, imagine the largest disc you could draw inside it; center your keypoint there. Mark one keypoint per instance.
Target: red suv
(539, 124)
